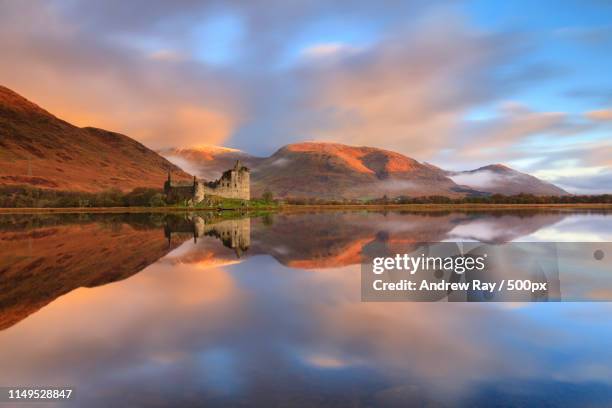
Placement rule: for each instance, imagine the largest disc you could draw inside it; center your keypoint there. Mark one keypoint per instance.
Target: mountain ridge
(41, 150)
(331, 170)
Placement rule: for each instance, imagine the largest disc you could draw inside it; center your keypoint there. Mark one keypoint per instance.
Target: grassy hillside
(40, 150)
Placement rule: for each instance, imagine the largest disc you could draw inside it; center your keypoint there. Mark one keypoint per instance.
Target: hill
(41, 150)
(331, 170)
(337, 171)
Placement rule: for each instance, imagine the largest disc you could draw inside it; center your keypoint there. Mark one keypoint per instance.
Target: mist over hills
(500, 179)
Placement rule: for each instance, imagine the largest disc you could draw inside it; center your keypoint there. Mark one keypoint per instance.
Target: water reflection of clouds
(503, 228)
(148, 322)
(544, 228)
(117, 326)
(586, 228)
(233, 330)
(433, 344)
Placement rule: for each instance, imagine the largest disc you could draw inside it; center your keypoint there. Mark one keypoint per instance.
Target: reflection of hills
(337, 239)
(44, 258)
(334, 239)
(39, 264)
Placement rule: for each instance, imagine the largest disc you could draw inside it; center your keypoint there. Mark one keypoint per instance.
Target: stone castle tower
(234, 183)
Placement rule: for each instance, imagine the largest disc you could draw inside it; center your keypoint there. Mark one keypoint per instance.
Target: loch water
(237, 310)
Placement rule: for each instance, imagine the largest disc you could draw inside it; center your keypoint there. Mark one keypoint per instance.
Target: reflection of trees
(267, 220)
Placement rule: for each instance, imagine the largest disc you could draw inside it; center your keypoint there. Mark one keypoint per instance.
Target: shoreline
(449, 207)
(307, 207)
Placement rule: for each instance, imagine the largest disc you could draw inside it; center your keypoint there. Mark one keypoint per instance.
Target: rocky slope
(41, 150)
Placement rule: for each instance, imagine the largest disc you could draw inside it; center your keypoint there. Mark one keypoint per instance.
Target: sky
(459, 84)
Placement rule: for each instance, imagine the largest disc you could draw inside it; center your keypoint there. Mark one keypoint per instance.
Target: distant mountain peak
(363, 159)
(498, 167)
(334, 147)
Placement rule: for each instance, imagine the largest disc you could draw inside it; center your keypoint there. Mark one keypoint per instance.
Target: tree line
(30, 197)
(482, 199)
(499, 199)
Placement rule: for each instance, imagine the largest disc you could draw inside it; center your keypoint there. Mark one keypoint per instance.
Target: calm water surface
(162, 310)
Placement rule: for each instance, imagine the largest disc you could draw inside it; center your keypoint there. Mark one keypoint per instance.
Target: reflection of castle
(234, 183)
(235, 234)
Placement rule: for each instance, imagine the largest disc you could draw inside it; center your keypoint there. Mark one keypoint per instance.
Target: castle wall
(234, 183)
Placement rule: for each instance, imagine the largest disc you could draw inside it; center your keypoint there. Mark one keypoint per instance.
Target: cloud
(395, 186)
(83, 77)
(518, 135)
(515, 123)
(166, 55)
(407, 91)
(579, 179)
(600, 95)
(401, 75)
(280, 162)
(326, 50)
(136, 68)
(481, 179)
(601, 114)
(184, 164)
(592, 36)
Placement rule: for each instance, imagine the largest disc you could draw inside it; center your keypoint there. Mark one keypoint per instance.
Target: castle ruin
(234, 183)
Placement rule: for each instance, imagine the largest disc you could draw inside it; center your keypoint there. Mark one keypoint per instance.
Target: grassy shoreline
(307, 207)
